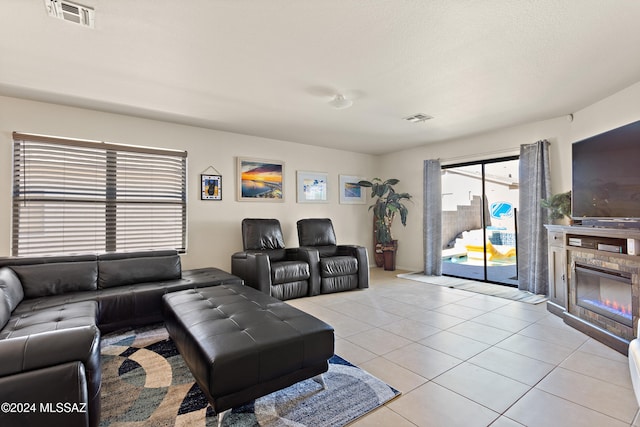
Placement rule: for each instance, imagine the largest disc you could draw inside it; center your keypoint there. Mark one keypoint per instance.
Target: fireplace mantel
(598, 247)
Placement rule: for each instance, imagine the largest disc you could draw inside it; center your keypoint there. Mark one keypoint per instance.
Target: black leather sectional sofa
(52, 311)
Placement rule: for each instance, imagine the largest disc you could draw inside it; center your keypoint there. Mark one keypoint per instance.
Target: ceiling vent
(71, 12)
(418, 118)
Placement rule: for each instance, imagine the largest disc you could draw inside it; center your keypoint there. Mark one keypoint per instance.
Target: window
(74, 196)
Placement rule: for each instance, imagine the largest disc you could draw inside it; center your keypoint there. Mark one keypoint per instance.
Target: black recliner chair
(340, 267)
(266, 265)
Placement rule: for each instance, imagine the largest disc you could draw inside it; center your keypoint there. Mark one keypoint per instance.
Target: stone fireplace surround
(604, 329)
(621, 334)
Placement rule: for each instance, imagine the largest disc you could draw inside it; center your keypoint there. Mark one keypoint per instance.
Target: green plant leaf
(388, 203)
(559, 205)
(403, 215)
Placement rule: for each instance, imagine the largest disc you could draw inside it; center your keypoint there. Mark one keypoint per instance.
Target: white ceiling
(269, 67)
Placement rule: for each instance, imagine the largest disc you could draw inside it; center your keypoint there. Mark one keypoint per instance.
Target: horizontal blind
(73, 196)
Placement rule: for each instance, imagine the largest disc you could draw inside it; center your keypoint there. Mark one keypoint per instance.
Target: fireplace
(594, 281)
(605, 292)
(603, 296)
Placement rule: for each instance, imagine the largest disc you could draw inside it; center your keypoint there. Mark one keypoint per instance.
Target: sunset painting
(260, 179)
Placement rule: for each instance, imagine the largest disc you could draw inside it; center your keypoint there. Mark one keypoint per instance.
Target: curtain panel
(432, 218)
(535, 185)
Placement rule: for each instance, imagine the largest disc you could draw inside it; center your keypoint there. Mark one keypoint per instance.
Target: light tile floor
(465, 359)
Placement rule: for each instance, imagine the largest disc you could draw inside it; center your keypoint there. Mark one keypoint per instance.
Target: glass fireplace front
(606, 292)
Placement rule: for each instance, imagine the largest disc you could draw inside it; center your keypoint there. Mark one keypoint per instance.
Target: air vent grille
(71, 12)
(66, 7)
(418, 118)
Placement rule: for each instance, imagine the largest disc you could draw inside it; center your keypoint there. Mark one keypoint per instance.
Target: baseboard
(605, 337)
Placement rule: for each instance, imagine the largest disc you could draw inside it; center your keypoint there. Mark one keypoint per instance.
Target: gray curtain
(535, 185)
(432, 218)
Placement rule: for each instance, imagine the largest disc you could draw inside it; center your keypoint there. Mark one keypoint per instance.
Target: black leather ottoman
(241, 344)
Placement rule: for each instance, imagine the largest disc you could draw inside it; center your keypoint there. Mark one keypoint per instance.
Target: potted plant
(388, 203)
(559, 205)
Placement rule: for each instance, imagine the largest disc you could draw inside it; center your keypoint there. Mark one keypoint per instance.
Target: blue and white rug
(146, 382)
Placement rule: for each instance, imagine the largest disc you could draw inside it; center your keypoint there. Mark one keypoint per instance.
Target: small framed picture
(350, 191)
(312, 187)
(211, 187)
(260, 180)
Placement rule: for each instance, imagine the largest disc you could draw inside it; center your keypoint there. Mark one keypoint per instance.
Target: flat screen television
(606, 176)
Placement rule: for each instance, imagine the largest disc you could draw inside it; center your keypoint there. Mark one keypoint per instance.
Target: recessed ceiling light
(418, 118)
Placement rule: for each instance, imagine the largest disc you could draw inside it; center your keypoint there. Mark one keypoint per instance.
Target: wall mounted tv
(606, 177)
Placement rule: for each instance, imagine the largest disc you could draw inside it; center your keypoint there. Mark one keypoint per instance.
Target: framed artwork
(312, 187)
(350, 190)
(211, 187)
(260, 180)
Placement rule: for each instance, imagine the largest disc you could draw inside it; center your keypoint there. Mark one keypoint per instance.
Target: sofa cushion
(290, 290)
(338, 283)
(41, 303)
(326, 251)
(316, 232)
(40, 280)
(289, 271)
(10, 294)
(121, 269)
(65, 316)
(338, 266)
(10, 284)
(262, 234)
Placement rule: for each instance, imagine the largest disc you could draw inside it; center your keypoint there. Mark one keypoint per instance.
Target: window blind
(74, 196)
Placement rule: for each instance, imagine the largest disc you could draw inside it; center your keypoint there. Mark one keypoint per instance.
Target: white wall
(609, 113)
(213, 226)
(613, 111)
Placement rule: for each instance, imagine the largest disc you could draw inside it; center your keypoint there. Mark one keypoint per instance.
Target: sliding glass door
(479, 208)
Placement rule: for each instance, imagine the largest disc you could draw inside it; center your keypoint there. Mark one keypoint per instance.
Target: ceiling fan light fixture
(339, 102)
(418, 118)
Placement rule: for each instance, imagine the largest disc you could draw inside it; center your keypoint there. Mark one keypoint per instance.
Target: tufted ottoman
(241, 344)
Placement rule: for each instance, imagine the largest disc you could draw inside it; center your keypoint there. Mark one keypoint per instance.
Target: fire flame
(617, 306)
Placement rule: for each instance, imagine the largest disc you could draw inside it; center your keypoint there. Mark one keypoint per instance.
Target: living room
(214, 227)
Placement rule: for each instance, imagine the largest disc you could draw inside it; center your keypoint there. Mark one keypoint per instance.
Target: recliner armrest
(312, 257)
(254, 269)
(306, 254)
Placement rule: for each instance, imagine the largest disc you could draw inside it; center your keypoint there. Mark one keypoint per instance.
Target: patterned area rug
(499, 291)
(145, 382)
